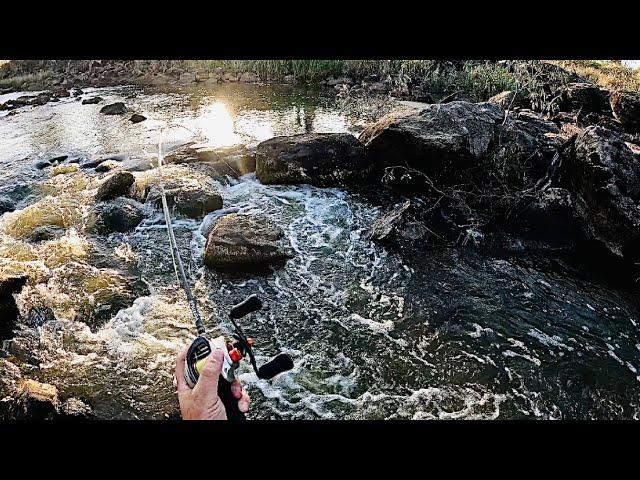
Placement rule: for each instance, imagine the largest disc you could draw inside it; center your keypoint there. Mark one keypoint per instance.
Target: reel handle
(248, 305)
(229, 401)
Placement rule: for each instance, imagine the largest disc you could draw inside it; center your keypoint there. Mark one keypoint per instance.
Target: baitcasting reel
(234, 350)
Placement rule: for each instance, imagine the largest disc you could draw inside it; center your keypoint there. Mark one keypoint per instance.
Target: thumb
(208, 380)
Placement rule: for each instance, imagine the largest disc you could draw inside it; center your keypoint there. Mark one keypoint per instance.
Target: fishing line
(175, 254)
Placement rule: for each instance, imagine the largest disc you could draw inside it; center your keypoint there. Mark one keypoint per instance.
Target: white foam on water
(377, 327)
(548, 340)
(479, 330)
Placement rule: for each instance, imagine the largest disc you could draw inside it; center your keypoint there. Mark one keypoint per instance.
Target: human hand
(202, 402)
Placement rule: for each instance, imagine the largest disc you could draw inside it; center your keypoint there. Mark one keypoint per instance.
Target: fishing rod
(233, 350)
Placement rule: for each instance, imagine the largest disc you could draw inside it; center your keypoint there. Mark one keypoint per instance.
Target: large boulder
(241, 242)
(626, 108)
(35, 400)
(605, 176)
(440, 140)
(121, 215)
(586, 97)
(322, 159)
(234, 161)
(117, 108)
(192, 199)
(525, 143)
(117, 185)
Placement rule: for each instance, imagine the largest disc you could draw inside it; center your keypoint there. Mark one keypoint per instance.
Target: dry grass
(610, 74)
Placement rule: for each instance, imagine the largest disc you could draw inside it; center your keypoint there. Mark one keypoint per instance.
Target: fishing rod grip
(229, 401)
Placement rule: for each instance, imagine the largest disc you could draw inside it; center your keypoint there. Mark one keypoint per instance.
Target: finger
(236, 389)
(182, 383)
(243, 403)
(208, 381)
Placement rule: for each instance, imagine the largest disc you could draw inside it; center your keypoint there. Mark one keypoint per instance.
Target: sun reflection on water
(217, 124)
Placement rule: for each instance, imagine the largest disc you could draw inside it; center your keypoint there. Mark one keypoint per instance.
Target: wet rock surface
(120, 215)
(50, 162)
(35, 400)
(75, 409)
(107, 166)
(9, 285)
(244, 242)
(117, 108)
(191, 198)
(91, 101)
(137, 118)
(398, 225)
(116, 185)
(323, 159)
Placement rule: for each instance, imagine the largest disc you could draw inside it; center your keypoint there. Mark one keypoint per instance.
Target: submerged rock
(9, 285)
(50, 162)
(44, 233)
(91, 100)
(9, 377)
(234, 161)
(137, 118)
(26, 100)
(6, 205)
(95, 162)
(440, 140)
(626, 108)
(240, 241)
(396, 224)
(117, 108)
(322, 159)
(107, 166)
(121, 215)
(116, 185)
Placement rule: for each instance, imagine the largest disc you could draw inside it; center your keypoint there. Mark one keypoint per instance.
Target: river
(447, 333)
